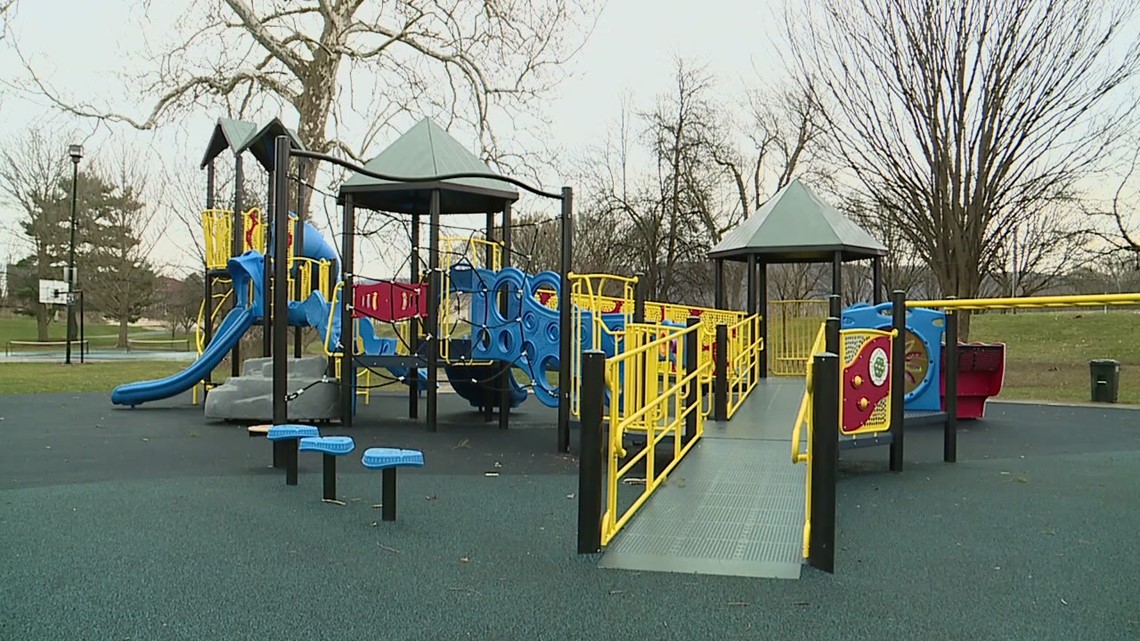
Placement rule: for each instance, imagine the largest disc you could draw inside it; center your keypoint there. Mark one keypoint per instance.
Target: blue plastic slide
(242, 269)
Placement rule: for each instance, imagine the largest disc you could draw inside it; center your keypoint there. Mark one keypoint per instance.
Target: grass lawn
(1047, 357)
(1047, 354)
(100, 335)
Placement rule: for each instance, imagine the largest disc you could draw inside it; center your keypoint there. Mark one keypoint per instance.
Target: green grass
(100, 335)
(1047, 355)
(38, 378)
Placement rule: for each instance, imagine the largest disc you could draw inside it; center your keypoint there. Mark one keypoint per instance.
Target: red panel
(390, 302)
(981, 370)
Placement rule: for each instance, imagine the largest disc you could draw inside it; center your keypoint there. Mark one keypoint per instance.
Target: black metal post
(718, 284)
(831, 335)
(82, 331)
(347, 294)
(837, 274)
(592, 452)
(505, 368)
(750, 287)
(639, 297)
(898, 379)
(876, 280)
(492, 392)
(692, 355)
(565, 329)
(298, 244)
(824, 461)
(414, 322)
(208, 281)
(388, 493)
(267, 285)
(76, 153)
(434, 296)
(291, 460)
(720, 376)
(950, 365)
(280, 220)
(329, 471)
(834, 308)
(762, 282)
(237, 245)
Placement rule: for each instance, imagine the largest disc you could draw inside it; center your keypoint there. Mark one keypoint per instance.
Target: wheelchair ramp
(734, 506)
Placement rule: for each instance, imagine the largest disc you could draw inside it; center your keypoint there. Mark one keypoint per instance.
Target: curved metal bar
(422, 179)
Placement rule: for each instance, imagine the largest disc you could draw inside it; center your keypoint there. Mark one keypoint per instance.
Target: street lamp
(76, 153)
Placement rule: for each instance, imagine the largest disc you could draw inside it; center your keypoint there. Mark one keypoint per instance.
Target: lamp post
(76, 153)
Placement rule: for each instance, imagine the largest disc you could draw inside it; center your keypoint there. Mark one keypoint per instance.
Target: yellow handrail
(586, 296)
(1030, 302)
(745, 348)
(644, 396)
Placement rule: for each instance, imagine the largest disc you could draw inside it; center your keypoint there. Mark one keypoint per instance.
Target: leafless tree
(31, 171)
(331, 61)
(963, 117)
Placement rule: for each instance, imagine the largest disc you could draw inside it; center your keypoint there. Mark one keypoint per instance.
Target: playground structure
(483, 322)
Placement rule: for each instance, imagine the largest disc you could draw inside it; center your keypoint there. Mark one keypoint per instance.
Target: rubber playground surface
(154, 524)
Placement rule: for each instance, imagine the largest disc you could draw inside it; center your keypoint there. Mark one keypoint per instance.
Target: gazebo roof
(228, 134)
(427, 150)
(261, 144)
(796, 226)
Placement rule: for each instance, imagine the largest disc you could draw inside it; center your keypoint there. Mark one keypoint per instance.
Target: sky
(630, 52)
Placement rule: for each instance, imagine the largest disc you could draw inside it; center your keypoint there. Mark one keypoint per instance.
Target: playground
(575, 459)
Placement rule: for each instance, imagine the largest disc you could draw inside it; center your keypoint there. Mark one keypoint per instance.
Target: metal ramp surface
(734, 506)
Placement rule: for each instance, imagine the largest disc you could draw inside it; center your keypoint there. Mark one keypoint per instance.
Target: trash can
(1104, 374)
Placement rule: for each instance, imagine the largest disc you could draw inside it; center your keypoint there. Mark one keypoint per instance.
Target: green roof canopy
(261, 144)
(796, 226)
(427, 150)
(228, 134)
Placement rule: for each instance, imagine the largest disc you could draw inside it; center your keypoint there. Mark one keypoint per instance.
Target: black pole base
(329, 469)
(291, 462)
(388, 494)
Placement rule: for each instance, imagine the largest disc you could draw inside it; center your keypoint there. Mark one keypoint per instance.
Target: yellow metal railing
(659, 410)
(745, 348)
(1030, 302)
(802, 429)
(586, 294)
(217, 237)
(791, 327)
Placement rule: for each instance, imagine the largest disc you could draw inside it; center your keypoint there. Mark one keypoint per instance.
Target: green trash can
(1104, 374)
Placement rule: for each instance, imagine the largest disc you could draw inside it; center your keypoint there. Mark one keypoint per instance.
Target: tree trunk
(41, 322)
(123, 326)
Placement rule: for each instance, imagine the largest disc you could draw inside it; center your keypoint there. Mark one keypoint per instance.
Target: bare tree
(32, 169)
(962, 118)
(330, 61)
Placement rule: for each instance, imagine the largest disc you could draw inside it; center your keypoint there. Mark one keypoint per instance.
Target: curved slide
(235, 325)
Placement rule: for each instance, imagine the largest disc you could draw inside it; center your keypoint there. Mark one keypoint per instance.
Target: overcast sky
(630, 51)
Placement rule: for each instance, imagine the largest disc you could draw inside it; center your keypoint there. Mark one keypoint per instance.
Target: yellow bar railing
(791, 327)
(1030, 302)
(745, 347)
(587, 297)
(217, 237)
(658, 409)
(804, 424)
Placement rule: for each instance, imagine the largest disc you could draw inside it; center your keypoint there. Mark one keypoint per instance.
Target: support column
(492, 392)
(750, 285)
(238, 239)
(762, 295)
(298, 243)
(565, 330)
(433, 314)
(414, 323)
(876, 280)
(347, 296)
(898, 379)
(718, 283)
(504, 383)
(266, 223)
(280, 214)
(837, 275)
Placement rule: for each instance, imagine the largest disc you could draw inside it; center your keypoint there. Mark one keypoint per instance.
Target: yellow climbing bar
(1030, 302)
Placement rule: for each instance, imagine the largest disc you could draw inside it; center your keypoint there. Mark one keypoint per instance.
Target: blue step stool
(330, 447)
(287, 435)
(388, 459)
